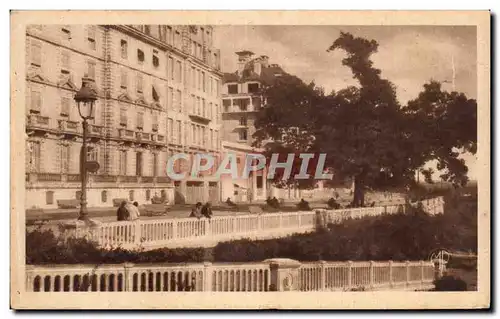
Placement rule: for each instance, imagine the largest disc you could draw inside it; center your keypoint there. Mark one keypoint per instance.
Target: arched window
(49, 197)
(131, 195)
(104, 196)
(148, 194)
(78, 195)
(163, 194)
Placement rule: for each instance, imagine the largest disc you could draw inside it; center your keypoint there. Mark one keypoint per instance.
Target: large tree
(368, 136)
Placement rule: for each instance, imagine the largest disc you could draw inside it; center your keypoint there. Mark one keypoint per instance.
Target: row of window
(66, 34)
(173, 37)
(197, 105)
(252, 88)
(196, 134)
(174, 69)
(34, 158)
(242, 104)
(139, 120)
(49, 196)
(198, 78)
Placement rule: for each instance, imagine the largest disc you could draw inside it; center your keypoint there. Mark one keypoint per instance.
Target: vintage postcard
(250, 160)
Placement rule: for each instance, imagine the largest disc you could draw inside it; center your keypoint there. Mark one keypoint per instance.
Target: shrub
(43, 247)
(400, 237)
(450, 283)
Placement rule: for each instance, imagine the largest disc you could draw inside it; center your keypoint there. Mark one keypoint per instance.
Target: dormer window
(156, 96)
(36, 54)
(140, 55)
(66, 32)
(124, 48)
(91, 37)
(156, 60)
(65, 62)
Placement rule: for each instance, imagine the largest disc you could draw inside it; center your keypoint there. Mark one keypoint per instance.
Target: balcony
(36, 121)
(73, 178)
(68, 127)
(147, 179)
(129, 179)
(163, 179)
(199, 118)
(160, 138)
(104, 178)
(126, 134)
(95, 130)
(49, 177)
(142, 137)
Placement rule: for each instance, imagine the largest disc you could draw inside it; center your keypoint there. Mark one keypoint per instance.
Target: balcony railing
(73, 177)
(141, 136)
(163, 179)
(232, 277)
(128, 179)
(68, 126)
(37, 121)
(105, 178)
(126, 134)
(95, 130)
(199, 117)
(49, 177)
(147, 179)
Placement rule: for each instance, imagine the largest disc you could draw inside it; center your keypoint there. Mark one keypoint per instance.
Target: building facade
(159, 93)
(241, 101)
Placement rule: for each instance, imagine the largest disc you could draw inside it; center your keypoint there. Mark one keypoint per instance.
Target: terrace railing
(192, 232)
(270, 275)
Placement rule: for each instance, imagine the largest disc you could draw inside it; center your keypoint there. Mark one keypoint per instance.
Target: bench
(318, 206)
(118, 201)
(151, 210)
(68, 203)
(255, 210)
(158, 200)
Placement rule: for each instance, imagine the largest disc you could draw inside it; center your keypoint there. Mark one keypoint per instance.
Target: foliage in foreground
(450, 283)
(393, 237)
(43, 247)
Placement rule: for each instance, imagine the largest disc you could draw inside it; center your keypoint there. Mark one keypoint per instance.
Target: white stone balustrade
(191, 232)
(277, 274)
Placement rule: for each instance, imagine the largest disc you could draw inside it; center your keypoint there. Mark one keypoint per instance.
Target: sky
(408, 56)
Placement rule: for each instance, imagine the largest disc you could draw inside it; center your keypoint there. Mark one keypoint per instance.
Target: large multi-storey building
(242, 99)
(158, 94)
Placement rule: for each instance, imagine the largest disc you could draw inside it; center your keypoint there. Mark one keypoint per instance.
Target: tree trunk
(359, 192)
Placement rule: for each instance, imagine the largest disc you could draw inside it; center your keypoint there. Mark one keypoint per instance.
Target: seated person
(275, 202)
(230, 202)
(332, 203)
(206, 210)
(196, 211)
(303, 205)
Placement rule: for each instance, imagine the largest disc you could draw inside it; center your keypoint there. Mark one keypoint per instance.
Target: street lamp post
(85, 99)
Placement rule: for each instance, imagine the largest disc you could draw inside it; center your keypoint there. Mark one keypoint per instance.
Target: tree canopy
(367, 134)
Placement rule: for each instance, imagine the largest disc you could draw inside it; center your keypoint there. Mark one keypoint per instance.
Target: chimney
(264, 61)
(257, 66)
(243, 58)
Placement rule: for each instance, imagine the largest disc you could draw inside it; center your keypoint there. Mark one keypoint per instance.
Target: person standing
(122, 212)
(133, 211)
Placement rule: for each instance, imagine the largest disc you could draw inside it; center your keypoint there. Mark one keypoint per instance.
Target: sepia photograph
(283, 161)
